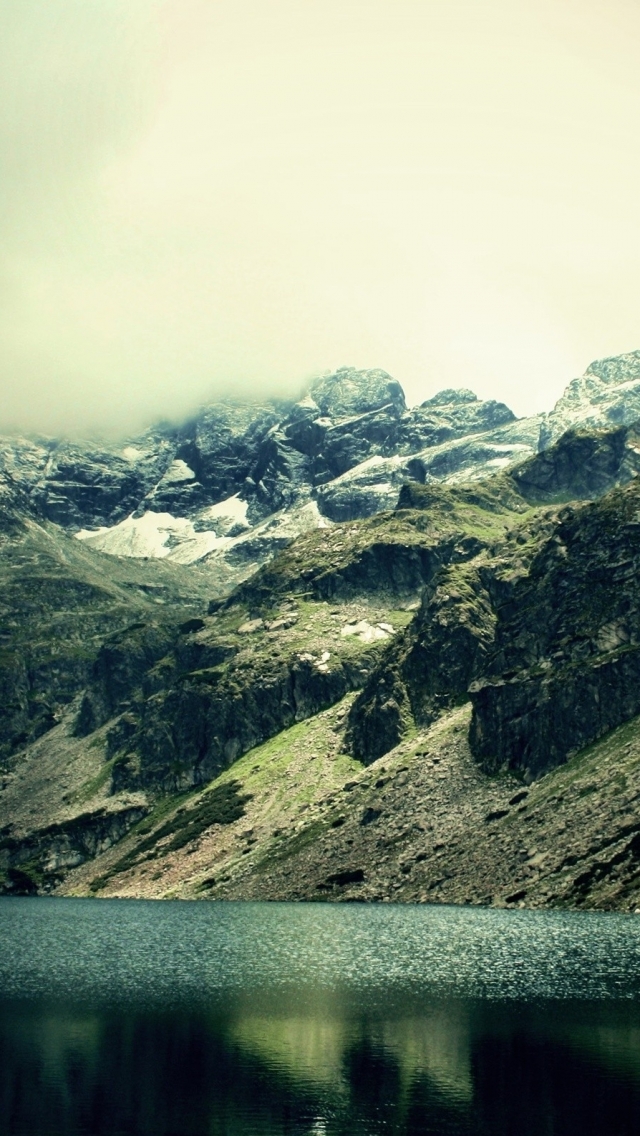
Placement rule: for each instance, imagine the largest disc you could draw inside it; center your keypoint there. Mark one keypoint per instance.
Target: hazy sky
(207, 195)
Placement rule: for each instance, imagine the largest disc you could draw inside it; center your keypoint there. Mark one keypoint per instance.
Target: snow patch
(232, 509)
(370, 468)
(157, 535)
(178, 471)
(132, 453)
(311, 517)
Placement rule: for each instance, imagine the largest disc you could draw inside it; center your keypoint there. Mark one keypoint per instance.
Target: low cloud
(230, 198)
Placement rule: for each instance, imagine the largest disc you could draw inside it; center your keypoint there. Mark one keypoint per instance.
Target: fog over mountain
(199, 199)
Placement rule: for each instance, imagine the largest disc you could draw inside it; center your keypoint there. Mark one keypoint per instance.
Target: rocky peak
(617, 368)
(349, 392)
(306, 407)
(607, 394)
(451, 396)
(240, 478)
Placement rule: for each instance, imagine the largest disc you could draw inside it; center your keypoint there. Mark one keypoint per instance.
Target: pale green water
(179, 1018)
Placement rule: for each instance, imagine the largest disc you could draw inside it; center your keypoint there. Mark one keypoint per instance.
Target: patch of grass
(283, 777)
(223, 804)
(163, 807)
(292, 845)
(210, 676)
(227, 620)
(595, 761)
(585, 790)
(91, 788)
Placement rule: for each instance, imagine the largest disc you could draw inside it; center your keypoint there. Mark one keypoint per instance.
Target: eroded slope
(423, 824)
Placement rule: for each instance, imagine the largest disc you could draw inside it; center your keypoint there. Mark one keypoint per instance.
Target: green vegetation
(584, 770)
(475, 505)
(91, 788)
(223, 804)
(59, 600)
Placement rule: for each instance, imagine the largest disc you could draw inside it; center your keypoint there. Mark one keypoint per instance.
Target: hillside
(421, 687)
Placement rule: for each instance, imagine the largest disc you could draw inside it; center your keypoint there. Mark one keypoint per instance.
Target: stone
(251, 626)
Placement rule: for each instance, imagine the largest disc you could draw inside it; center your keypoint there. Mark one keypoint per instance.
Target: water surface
(176, 1019)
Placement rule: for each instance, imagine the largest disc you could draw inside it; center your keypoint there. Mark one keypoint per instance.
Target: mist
(204, 198)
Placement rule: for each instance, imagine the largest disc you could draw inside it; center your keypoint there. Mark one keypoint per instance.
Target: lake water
(180, 1019)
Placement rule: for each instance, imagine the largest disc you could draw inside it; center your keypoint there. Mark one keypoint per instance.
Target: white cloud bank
(200, 197)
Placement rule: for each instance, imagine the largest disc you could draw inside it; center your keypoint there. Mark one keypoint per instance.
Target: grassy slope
(427, 517)
(436, 829)
(432, 515)
(58, 599)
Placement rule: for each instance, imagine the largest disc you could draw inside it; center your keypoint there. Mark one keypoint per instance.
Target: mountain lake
(127, 1017)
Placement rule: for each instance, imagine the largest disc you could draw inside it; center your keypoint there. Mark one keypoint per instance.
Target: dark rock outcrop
(581, 465)
(429, 668)
(565, 662)
(544, 632)
(119, 669)
(35, 864)
(542, 627)
(59, 603)
(201, 723)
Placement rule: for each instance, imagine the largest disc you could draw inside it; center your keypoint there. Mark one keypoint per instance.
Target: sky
(213, 197)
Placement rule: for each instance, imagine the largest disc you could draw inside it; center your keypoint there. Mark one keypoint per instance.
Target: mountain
(328, 649)
(608, 394)
(241, 479)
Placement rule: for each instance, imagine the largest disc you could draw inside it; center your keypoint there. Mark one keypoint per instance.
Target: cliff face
(540, 629)
(387, 632)
(180, 490)
(564, 662)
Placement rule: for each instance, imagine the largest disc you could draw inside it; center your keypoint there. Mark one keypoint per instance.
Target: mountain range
(328, 649)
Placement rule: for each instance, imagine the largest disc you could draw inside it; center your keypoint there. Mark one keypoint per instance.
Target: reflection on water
(181, 1019)
(312, 1046)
